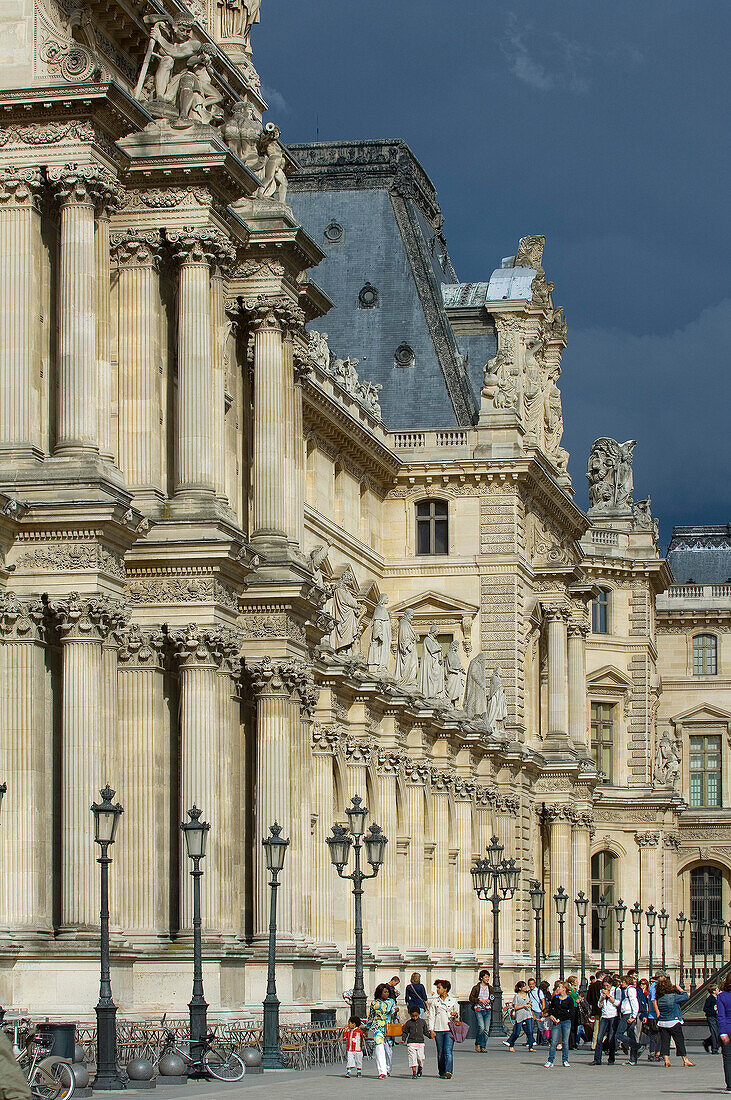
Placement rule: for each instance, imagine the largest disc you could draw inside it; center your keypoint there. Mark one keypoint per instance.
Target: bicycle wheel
(224, 1065)
(52, 1080)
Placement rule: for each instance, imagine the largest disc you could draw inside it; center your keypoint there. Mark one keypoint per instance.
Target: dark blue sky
(602, 125)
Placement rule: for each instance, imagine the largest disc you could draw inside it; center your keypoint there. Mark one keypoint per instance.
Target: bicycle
(49, 1077)
(215, 1061)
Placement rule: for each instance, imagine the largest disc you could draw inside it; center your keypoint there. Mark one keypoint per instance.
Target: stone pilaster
(143, 860)
(581, 830)
(578, 716)
(26, 765)
(301, 372)
(108, 198)
(648, 845)
(219, 336)
(559, 820)
(485, 829)
(20, 357)
(83, 624)
(415, 919)
(77, 189)
(558, 704)
(388, 880)
(208, 660)
(324, 743)
(442, 933)
(136, 253)
(464, 931)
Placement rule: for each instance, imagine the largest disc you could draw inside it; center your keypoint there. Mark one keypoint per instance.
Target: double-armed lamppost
(650, 917)
(275, 849)
(681, 920)
(196, 832)
(537, 894)
(703, 924)
(636, 914)
(340, 844)
(561, 900)
(694, 926)
(495, 879)
(602, 912)
(106, 820)
(581, 902)
(662, 919)
(620, 911)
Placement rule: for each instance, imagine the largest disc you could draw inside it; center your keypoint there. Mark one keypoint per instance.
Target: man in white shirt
(610, 999)
(629, 1010)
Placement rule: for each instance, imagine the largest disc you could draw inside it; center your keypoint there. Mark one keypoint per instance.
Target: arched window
(705, 906)
(432, 527)
(705, 655)
(602, 882)
(600, 612)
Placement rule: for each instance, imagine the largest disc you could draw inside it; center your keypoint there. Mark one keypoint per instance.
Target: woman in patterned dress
(383, 1012)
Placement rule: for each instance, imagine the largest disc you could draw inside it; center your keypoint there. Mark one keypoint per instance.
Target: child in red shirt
(354, 1038)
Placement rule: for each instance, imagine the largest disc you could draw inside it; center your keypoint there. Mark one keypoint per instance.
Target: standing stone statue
(667, 764)
(454, 675)
(379, 651)
(431, 669)
(497, 707)
(346, 612)
(475, 696)
(407, 661)
(317, 557)
(609, 472)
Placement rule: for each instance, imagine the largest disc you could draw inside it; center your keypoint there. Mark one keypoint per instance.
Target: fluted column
(77, 190)
(219, 335)
(20, 357)
(26, 765)
(485, 823)
(143, 860)
(135, 253)
(208, 658)
(578, 724)
(274, 468)
(463, 910)
(581, 872)
(324, 740)
(505, 821)
(301, 372)
(559, 819)
(83, 624)
(108, 196)
(388, 885)
(439, 939)
(415, 919)
(558, 711)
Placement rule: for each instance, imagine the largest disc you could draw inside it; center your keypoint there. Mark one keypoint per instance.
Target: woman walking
(383, 1012)
(522, 1015)
(668, 999)
(481, 1001)
(415, 994)
(442, 1009)
(560, 1011)
(723, 1004)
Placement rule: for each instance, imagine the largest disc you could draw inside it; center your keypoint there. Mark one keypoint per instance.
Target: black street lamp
(275, 850)
(501, 877)
(620, 911)
(714, 941)
(195, 832)
(728, 933)
(106, 820)
(662, 919)
(561, 900)
(650, 917)
(681, 920)
(340, 844)
(703, 925)
(537, 894)
(581, 902)
(602, 912)
(693, 952)
(636, 914)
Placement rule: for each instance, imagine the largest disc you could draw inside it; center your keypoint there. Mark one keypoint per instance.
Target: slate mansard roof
(701, 555)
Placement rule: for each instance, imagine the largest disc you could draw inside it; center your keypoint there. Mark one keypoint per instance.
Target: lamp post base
(271, 1057)
(107, 1077)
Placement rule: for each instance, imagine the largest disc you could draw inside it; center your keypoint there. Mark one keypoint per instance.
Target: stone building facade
(227, 580)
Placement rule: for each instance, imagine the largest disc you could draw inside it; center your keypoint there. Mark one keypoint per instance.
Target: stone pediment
(435, 603)
(609, 677)
(702, 714)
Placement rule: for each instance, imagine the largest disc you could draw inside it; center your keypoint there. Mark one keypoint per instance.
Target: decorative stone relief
(667, 761)
(609, 472)
(70, 557)
(172, 590)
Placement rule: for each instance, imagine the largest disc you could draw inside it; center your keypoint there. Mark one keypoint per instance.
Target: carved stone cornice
(83, 185)
(141, 649)
(87, 618)
(21, 620)
(647, 840)
(136, 248)
(214, 647)
(20, 187)
(201, 245)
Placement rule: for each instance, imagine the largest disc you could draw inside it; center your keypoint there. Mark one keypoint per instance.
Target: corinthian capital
(20, 187)
(140, 648)
(213, 647)
(21, 620)
(136, 248)
(290, 677)
(87, 618)
(84, 184)
(201, 245)
(647, 840)
(278, 313)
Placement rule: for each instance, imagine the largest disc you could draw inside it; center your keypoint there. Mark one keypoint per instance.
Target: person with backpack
(538, 1008)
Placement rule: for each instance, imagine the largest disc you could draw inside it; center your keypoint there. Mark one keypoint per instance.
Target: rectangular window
(602, 738)
(705, 770)
(432, 527)
(600, 613)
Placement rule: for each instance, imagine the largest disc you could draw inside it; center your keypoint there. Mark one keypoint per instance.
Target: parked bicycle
(49, 1077)
(214, 1061)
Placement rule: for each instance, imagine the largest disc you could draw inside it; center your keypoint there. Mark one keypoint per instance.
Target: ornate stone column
(581, 830)
(648, 844)
(416, 777)
(324, 743)
(274, 467)
(220, 327)
(83, 624)
(208, 660)
(143, 860)
(388, 764)
(136, 254)
(196, 251)
(441, 939)
(558, 711)
(77, 190)
(26, 755)
(559, 819)
(463, 933)
(301, 373)
(108, 197)
(485, 823)
(578, 723)
(20, 357)
(505, 826)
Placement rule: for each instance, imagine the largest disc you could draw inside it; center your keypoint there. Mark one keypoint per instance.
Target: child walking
(354, 1036)
(414, 1033)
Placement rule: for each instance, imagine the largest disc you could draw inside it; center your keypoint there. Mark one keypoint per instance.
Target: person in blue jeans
(560, 1012)
(522, 1015)
(481, 1001)
(442, 1009)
